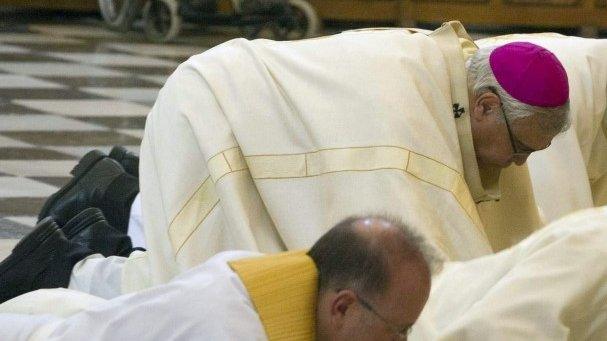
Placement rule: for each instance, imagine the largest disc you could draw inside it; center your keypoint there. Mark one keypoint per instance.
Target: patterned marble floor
(64, 90)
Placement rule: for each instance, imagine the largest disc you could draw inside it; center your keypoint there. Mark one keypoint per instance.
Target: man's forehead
(409, 290)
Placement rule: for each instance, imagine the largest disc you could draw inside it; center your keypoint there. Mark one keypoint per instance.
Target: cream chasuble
(263, 146)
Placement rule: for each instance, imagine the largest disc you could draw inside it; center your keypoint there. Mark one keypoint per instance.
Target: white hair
(481, 79)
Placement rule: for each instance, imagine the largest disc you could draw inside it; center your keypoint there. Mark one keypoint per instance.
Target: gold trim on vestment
(454, 42)
(226, 162)
(196, 209)
(312, 164)
(373, 158)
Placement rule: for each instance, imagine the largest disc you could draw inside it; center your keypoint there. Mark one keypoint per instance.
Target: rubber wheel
(119, 15)
(162, 20)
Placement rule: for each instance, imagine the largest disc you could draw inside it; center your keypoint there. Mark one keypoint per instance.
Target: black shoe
(98, 181)
(42, 259)
(90, 229)
(128, 160)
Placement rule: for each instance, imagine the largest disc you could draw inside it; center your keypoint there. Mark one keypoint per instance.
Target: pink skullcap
(530, 74)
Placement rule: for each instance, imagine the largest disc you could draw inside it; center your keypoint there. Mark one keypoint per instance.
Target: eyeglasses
(521, 152)
(400, 332)
(516, 151)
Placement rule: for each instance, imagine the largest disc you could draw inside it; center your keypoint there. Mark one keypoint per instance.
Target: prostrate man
(258, 145)
(366, 279)
(551, 286)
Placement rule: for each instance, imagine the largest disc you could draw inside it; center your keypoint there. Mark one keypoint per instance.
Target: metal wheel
(162, 20)
(304, 22)
(119, 15)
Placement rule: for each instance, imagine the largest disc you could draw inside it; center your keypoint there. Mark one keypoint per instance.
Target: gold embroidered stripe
(204, 199)
(327, 161)
(192, 214)
(365, 159)
(288, 166)
(226, 162)
(440, 175)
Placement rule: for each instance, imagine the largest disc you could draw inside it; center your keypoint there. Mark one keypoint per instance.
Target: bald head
(362, 252)
(377, 258)
(390, 240)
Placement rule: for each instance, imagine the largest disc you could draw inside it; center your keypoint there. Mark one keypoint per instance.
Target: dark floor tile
(54, 181)
(122, 122)
(6, 107)
(177, 60)
(21, 206)
(88, 44)
(14, 153)
(8, 25)
(13, 230)
(19, 18)
(46, 94)
(46, 48)
(74, 138)
(118, 82)
(27, 57)
(130, 37)
(212, 37)
(144, 70)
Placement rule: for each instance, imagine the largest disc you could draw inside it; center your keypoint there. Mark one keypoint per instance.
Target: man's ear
(341, 304)
(484, 104)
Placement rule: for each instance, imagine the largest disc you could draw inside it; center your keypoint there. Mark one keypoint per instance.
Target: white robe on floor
(209, 302)
(552, 286)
